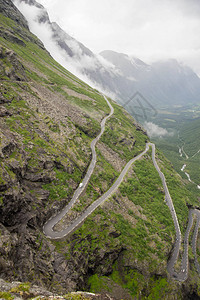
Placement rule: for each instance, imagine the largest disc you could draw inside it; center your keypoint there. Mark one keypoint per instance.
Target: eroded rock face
(8, 9)
(9, 35)
(20, 32)
(21, 244)
(3, 100)
(20, 291)
(26, 254)
(44, 140)
(4, 112)
(15, 71)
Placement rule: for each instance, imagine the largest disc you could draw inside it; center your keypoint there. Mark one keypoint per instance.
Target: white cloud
(79, 61)
(148, 29)
(154, 130)
(75, 65)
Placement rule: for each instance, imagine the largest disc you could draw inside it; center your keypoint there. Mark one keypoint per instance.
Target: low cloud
(75, 64)
(150, 29)
(154, 130)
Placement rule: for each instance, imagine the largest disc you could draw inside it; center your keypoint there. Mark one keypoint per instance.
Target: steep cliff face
(17, 30)
(164, 83)
(8, 9)
(68, 51)
(48, 118)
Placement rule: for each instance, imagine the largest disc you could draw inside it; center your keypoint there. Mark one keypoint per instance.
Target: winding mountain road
(194, 239)
(48, 227)
(181, 152)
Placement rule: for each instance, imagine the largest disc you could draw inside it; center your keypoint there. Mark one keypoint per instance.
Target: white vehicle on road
(81, 184)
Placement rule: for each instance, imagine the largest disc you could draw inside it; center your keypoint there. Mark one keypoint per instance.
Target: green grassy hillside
(186, 135)
(48, 118)
(190, 134)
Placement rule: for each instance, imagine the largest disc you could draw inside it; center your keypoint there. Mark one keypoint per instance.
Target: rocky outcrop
(10, 66)
(21, 291)
(20, 32)
(26, 255)
(21, 242)
(11, 37)
(9, 10)
(47, 119)
(4, 112)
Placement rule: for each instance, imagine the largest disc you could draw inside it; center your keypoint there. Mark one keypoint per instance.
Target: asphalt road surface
(48, 227)
(183, 272)
(194, 239)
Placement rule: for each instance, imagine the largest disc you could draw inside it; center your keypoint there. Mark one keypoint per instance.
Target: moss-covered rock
(48, 118)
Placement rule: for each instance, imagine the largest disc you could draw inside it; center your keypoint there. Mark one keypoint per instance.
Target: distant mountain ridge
(128, 66)
(163, 83)
(48, 118)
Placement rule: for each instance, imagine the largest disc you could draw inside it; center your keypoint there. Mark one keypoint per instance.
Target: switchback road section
(49, 231)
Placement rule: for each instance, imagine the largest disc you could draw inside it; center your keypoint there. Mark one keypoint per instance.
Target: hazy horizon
(150, 29)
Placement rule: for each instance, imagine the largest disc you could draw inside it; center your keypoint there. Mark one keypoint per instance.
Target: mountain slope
(189, 133)
(48, 118)
(189, 139)
(183, 149)
(164, 83)
(129, 67)
(67, 50)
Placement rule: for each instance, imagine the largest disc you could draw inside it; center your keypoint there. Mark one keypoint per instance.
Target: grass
(135, 225)
(185, 133)
(6, 296)
(179, 193)
(133, 281)
(126, 140)
(101, 180)
(149, 240)
(22, 287)
(98, 284)
(144, 189)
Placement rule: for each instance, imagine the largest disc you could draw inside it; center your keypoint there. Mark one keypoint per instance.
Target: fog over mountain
(149, 29)
(69, 52)
(163, 83)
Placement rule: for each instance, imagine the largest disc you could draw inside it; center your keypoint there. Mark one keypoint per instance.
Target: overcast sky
(147, 29)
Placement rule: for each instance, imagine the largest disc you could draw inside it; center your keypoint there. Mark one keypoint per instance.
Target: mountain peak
(50, 149)
(118, 73)
(130, 67)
